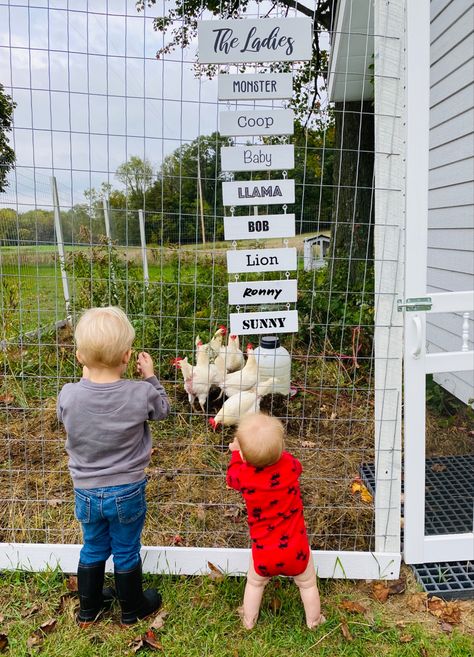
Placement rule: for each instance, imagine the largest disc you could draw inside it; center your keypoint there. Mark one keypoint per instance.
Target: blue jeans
(112, 520)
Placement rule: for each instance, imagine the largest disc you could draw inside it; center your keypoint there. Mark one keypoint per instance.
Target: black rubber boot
(135, 603)
(93, 598)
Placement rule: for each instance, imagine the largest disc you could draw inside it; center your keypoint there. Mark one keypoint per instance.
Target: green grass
(202, 622)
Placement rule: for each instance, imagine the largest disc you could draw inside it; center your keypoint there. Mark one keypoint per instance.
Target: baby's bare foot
(319, 621)
(249, 625)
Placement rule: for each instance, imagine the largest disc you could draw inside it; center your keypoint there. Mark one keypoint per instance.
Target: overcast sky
(90, 93)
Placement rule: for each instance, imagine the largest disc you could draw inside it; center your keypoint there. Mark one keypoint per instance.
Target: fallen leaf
(446, 627)
(159, 620)
(34, 640)
(417, 602)
(177, 540)
(275, 605)
(358, 487)
(7, 399)
(333, 415)
(31, 611)
(71, 583)
(308, 443)
(397, 586)
(2, 618)
(136, 643)
(406, 638)
(352, 607)
(345, 631)
(3, 642)
(423, 651)
(438, 467)
(449, 612)
(150, 640)
(215, 573)
(48, 626)
(380, 591)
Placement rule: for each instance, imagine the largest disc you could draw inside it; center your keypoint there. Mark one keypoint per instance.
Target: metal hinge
(414, 304)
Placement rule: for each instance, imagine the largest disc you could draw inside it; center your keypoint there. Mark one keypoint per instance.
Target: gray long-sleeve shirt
(108, 438)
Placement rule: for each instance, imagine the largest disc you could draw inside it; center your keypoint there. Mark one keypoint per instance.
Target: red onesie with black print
(274, 512)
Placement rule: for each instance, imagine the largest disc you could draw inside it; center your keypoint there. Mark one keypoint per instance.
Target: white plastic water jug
(274, 360)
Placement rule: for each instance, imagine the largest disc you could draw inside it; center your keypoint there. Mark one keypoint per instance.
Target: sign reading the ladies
(241, 41)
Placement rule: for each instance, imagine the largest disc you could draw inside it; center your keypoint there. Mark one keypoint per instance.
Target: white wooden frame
(419, 548)
(384, 562)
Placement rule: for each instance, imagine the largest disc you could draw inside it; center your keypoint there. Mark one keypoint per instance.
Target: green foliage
(340, 319)
(7, 154)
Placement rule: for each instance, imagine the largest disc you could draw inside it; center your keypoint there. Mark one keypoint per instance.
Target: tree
(137, 175)
(353, 171)
(7, 155)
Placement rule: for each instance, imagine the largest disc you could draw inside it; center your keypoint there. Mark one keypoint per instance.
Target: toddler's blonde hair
(261, 439)
(103, 336)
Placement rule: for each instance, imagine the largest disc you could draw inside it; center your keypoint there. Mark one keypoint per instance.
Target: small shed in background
(314, 251)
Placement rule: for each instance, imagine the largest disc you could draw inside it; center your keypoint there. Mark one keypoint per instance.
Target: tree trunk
(353, 213)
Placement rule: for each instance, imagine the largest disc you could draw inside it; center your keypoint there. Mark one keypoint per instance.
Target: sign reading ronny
(241, 40)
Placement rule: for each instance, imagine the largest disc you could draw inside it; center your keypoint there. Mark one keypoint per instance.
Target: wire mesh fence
(121, 131)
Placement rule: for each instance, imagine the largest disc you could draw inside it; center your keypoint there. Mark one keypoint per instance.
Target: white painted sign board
(258, 122)
(258, 192)
(259, 226)
(259, 260)
(264, 322)
(244, 40)
(258, 158)
(257, 86)
(255, 292)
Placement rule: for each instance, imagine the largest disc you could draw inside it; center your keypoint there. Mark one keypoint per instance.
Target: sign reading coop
(258, 41)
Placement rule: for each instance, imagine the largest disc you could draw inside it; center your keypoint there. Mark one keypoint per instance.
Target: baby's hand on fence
(234, 446)
(145, 365)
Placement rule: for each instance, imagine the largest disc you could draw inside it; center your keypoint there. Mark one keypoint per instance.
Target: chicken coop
(120, 185)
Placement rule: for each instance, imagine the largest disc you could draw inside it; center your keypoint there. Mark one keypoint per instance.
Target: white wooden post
(60, 243)
(417, 163)
(389, 214)
(141, 221)
(105, 205)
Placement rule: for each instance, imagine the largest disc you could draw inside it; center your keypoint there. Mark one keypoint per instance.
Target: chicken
(214, 345)
(199, 379)
(232, 355)
(245, 402)
(243, 379)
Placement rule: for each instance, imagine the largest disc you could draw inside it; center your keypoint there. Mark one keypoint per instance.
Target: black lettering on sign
(259, 192)
(264, 292)
(258, 226)
(264, 323)
(261, 261)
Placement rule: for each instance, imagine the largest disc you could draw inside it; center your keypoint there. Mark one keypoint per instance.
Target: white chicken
(239, 405)
(232, 354)
(214, 345)
(243, 379)
(199, 379)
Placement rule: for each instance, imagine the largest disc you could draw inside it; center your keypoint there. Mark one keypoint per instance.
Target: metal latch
(414, 304)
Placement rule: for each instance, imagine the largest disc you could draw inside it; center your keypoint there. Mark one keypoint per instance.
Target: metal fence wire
(124, 136)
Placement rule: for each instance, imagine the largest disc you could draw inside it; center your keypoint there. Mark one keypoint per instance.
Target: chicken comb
(213, 423)
(223, 328)
(249, 346)
(233, 337)
(176, 361)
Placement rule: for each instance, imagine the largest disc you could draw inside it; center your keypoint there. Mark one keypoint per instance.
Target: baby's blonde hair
(103, 336)
(261, 439)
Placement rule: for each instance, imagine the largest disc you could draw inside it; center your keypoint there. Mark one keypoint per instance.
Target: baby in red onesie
(267, 477)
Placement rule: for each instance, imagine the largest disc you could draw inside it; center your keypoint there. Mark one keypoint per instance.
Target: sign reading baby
(262, 40)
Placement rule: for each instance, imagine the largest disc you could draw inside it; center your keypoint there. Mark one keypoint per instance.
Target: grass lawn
(202, 621)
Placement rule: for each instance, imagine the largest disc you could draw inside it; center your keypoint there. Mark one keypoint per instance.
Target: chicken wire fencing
(116, 198)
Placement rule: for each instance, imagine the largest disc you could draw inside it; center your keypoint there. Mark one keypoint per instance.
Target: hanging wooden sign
(235, 41)
(258, 192)
(264, 322)
(258, 260)
(258, 158)
(268, 122)
(258, 86)
(256, 292)
(258, 226)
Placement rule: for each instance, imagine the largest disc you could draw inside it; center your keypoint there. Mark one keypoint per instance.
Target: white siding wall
(451, 196)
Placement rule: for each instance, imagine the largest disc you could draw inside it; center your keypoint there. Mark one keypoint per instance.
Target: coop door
(439, 463)
(438, 325)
